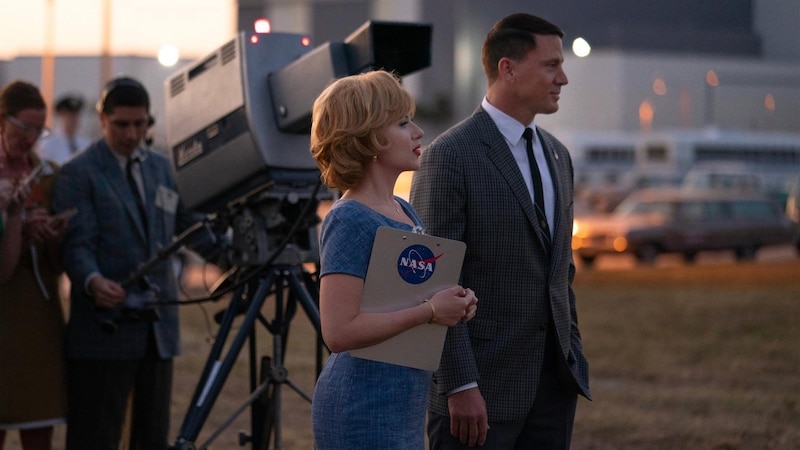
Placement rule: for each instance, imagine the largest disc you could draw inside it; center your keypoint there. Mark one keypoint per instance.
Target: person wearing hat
(65, 141)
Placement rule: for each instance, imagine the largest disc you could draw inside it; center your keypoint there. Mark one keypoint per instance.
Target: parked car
(604, 198)
(654, 221)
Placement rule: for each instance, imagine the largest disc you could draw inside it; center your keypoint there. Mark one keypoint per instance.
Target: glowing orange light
(646, 113)
(660, 86)
(262, 25)
(769, 102)
(712, 79)
(254, 39)
(305, 41)
(620, 244)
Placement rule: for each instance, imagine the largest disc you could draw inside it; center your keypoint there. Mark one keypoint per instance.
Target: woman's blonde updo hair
(348, 120)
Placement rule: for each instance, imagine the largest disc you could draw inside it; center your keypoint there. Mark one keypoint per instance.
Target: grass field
(692, 357)
(682, 357)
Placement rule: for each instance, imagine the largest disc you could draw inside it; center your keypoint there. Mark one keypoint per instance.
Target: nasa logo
(416, 264)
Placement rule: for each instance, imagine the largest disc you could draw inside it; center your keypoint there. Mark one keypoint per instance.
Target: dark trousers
(98, 392)
(548, 424)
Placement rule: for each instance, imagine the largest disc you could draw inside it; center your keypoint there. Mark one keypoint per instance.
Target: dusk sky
(138, 27)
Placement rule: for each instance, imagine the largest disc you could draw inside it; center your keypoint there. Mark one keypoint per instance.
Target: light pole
(48, 55)
(712, 82)
(105, 52)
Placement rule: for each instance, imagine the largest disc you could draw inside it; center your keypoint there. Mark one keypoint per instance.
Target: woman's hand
(40, 227)
(472, 307)
(6, 193)
(453, 305)
(12, 197)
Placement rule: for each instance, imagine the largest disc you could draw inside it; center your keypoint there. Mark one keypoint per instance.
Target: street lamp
(712, 82)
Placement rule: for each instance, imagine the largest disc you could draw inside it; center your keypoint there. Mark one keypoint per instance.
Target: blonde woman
(362, 138)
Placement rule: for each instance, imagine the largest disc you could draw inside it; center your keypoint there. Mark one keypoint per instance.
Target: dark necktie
(135, 189)
(536, 177)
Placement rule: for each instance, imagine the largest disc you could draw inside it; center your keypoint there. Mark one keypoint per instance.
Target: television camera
(238, 123)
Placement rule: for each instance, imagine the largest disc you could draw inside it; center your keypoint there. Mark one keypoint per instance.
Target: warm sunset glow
(193, 27)
(403, 186)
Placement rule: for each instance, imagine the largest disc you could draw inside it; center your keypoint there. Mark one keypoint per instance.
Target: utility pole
(105, 51)
(48, 57)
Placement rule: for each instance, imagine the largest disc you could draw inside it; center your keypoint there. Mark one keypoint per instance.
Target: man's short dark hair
(123, 91)
(513, 37)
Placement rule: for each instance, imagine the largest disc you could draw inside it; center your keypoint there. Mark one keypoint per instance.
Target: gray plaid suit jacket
(107, 236)
(469, 188)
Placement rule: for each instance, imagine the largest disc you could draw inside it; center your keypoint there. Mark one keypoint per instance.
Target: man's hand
(468, 419)
(106, 293)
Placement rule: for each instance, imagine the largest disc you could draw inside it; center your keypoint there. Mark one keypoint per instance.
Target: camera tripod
(290, 284)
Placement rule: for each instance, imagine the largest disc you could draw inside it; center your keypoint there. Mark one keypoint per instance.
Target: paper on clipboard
(404, 269)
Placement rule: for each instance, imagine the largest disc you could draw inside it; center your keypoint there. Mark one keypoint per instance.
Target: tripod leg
(273, 371)
(216, 371)
(276, 371)
(265, 400)
(265, 409)
(306, 301)
(265, 413)
(304, 286)
(262, 411)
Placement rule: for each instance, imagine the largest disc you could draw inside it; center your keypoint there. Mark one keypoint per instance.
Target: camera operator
(128, 208)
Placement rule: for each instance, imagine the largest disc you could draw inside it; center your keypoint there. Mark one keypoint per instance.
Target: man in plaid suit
(510, 378)
(128, 209)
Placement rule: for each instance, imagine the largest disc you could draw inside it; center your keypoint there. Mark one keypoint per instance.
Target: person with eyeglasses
(30, 130)
(32, 365)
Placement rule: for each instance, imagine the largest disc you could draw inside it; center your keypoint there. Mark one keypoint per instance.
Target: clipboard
(404, 269)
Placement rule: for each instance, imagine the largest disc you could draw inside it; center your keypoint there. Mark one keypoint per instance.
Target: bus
(725, 159)
(609, 165)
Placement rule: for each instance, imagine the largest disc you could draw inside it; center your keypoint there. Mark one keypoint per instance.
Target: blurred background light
(581, 48)
(168, 55)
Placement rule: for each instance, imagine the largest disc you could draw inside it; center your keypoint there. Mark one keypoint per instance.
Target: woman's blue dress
(359, 403)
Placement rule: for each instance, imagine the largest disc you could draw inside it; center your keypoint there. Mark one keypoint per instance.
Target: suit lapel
(558, 162)
(115, 177)
(501, 157)
(505, 163)
(148, 178)
(556, 175)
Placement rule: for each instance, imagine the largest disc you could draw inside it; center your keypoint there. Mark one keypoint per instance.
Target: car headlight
(620, 244)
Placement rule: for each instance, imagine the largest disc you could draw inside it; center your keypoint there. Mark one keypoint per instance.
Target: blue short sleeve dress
(359, 403)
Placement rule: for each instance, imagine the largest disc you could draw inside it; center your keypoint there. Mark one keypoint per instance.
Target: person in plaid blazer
(510, 378)
(117, 344)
